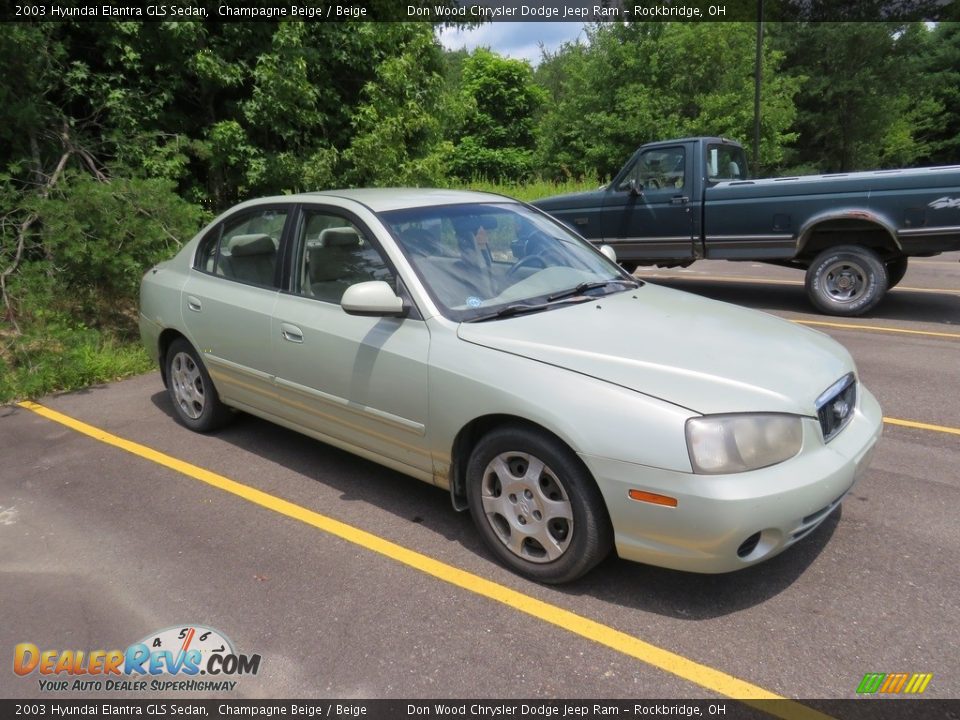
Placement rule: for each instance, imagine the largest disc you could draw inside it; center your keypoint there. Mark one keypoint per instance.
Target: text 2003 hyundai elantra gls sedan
(472, 342)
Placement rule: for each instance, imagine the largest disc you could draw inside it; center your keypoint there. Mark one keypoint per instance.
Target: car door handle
(193, 303)
(679, 200)
(291, 333)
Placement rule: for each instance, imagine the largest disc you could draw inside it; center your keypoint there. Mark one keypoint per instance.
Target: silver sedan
(472, 342)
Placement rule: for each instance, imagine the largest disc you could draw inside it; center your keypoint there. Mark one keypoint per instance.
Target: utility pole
(757, 79)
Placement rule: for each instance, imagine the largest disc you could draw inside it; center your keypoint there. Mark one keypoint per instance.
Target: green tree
(496, 135)
(396, 127)
(638, 82)
(861, 96)
(938, 117)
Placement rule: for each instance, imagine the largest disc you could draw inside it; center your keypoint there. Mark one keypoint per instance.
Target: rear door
(227, 302)
(648, 210)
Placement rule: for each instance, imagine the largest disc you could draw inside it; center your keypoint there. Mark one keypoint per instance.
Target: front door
(647, 210)
(358, 381)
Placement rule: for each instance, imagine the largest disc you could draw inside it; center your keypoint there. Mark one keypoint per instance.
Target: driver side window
(656, 169)
(335, 254)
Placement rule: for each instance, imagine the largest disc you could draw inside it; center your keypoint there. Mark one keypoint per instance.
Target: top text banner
(478, 11)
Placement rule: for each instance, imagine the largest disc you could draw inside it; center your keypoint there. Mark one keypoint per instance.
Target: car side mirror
(635, 188)
(374, 298)
(609, 252)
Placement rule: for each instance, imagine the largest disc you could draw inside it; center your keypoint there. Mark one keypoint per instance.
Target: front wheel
(536, 506)
(195, 399)
(846, 280)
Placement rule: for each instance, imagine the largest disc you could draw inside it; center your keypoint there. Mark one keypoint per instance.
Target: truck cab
(653, 208)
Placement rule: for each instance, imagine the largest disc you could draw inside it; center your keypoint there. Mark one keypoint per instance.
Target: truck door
(649, 209)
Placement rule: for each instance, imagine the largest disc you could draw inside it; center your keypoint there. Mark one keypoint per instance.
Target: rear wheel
(846, 280)
(536, 506)
(195, 399)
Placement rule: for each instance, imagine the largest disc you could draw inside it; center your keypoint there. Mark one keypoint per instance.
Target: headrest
(339, 237)
(254, 244)
(325, 264)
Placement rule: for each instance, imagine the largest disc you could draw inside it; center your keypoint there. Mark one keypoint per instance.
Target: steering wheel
(653, 183)
(524, 261)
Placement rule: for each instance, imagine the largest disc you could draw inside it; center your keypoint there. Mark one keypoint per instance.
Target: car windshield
(488, 260)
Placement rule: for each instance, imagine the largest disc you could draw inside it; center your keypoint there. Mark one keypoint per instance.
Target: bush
(74, 294)
(99, 238)
(60, 354)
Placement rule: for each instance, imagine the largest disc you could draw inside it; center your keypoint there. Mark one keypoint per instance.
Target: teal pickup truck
(683, 200)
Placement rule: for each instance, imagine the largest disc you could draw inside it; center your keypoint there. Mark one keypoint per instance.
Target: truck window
(726, 162)
(657, 168)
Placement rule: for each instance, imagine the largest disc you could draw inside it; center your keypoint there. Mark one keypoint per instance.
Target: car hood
(570, 201)
(706, 356)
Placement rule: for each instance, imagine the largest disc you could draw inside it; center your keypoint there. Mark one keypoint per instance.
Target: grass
(53, 359)
(528, 191)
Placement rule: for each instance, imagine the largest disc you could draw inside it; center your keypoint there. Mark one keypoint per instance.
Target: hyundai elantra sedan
(470, 341)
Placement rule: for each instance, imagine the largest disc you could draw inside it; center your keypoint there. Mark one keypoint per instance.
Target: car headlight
(720, 444)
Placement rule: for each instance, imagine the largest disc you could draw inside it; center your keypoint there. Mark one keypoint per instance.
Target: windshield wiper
(522, 309)
(585, 286)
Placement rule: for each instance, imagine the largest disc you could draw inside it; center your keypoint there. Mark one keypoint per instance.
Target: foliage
(863, 99)
(59, 354)
(639, 82)
(936, 63)
(496, 133)
(100, 237)
(395, 126)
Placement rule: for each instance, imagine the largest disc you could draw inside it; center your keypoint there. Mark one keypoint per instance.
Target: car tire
(195, 400)
(536, 506)
(846, 280)
(896, 269)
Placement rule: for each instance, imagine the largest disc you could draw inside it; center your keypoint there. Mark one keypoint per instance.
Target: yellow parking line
(772, 281)
(922, 426)
(720, 278)
(876, 328)
(690, 670)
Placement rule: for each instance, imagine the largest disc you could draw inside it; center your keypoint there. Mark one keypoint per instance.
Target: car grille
(836, 405)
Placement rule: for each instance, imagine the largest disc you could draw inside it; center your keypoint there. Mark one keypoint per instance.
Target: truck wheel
(896, 269)
(846, 280)
(536, 506)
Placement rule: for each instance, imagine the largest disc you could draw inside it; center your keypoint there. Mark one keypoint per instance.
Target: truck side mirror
(636, 190)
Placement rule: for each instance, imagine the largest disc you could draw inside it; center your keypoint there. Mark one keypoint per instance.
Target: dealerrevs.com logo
(180, 658)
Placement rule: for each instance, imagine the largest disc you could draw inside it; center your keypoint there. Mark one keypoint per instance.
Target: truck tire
(896, 269)
(846, 280)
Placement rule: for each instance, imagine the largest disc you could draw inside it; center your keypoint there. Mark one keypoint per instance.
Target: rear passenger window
(335, 254)
(244, 247)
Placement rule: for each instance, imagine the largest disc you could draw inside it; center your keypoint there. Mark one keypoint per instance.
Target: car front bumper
(728, 522)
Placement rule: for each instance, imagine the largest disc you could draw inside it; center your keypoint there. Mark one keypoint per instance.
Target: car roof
(385, 199)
